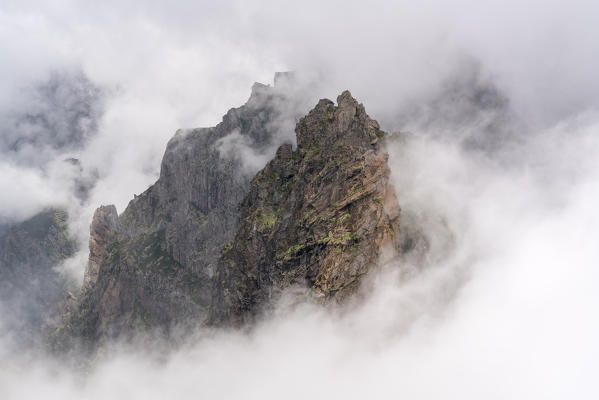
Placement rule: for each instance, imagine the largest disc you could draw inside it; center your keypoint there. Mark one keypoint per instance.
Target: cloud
(57, 115)
(25, 192)
(494, 316)
(498, 171)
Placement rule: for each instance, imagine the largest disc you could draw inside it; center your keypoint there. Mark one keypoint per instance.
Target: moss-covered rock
(335, 212)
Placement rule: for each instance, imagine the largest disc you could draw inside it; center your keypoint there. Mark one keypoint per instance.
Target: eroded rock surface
(318, 217)
(204, 245)
(151, 266)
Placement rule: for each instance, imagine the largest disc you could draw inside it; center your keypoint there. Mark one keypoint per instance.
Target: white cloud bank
(505, 305)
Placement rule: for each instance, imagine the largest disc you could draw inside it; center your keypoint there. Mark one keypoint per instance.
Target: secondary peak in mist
(285, 84)
(53, 116)
(151, 266)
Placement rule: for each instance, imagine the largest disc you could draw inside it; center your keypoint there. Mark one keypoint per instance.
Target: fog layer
(496, 163)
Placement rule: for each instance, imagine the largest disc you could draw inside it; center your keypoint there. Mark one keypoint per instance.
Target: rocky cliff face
(30, 287)
(103, 230)
(51, 118)
(318, 217)
(151, 266)
(204, 244)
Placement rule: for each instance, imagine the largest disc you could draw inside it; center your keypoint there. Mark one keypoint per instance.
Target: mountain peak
(345, 99)
(316, 217)
(347, 123)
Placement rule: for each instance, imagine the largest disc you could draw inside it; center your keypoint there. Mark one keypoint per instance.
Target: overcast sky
(507, 305)
(164, 66)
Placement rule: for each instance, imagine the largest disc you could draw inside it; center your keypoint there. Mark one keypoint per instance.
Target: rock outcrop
(204, 245)
(103, 230)
(151, 266)
(318, 217)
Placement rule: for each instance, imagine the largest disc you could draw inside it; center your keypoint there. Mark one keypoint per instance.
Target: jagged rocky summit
(206, 245)
(318, 217)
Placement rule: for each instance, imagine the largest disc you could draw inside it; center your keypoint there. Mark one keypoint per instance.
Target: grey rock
(151, 266)
(319, 217)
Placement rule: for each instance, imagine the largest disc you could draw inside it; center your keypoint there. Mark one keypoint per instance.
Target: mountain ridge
(316, 217)
(161, 265)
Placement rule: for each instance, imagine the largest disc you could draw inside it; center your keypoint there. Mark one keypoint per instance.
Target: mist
(494, 112)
